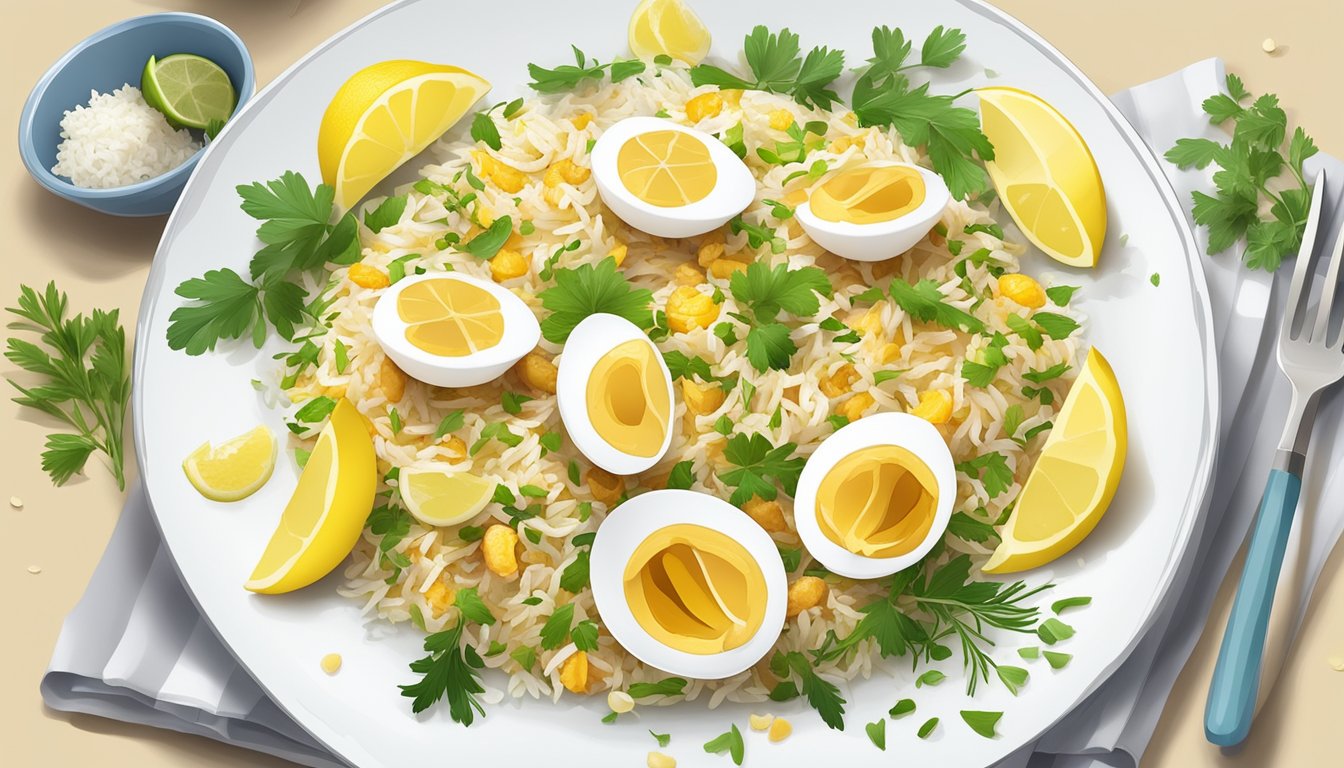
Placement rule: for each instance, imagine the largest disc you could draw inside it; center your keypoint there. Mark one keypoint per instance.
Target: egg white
(883, 240)
(733, 191)
(521, 334)
(592, 338)
(633, 522)
(900, 429)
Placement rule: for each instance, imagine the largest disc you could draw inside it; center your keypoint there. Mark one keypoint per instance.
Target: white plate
(1156, 338)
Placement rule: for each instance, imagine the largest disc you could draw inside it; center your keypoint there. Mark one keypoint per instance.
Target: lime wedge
(191, 91)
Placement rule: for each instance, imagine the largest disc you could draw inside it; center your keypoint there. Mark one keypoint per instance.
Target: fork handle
(1236, 677)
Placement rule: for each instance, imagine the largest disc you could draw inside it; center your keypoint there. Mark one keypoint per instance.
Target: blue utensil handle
(1236, 678)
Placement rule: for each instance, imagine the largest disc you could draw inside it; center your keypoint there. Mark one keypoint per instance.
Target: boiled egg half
(669, 180)
(615, 395)
(876, 495)
(451, 330)
(873, 211)
(688, 583)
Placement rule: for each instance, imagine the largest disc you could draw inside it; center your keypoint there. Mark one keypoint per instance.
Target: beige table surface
(102, 261)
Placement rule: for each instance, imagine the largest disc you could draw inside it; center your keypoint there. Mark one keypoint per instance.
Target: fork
(1312, 362)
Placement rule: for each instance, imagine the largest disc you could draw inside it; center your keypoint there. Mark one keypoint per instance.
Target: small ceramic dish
(109, 59)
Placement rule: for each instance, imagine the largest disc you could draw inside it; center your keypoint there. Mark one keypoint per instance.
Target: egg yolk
(877, 501)
(628, 403)
(695, 589)
(667, 168)
(869, 195)
(450, 318)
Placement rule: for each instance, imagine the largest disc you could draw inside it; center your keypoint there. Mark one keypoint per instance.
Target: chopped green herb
(556, 628)
(777, 66)
(513, 402)
(902, 708)
(588, 290)
(1059, 606)
(526, 656)
(730, 742)
(1060, 295)
(681, 476)
(877, 733)
(1155, 279)
(584, 635)
(567, 77)
(927, 727)
(990, 468)
(1052, 631)
(758, 466)
(924, 301)
(670, 686)
(387, 214)
(1013, 677)
(1030, 652)
(472, 607)
(981, 722)
(932, 677)
(451, 670)
(1058, 660)
(663, 739)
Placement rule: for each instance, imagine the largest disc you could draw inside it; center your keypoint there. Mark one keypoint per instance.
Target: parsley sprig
(1247, 164)
(567, 77)
(298, 239)
(759, 468)
(83, 379)
(451, 669)
(777, 65)
(766, 292)
(587, 290)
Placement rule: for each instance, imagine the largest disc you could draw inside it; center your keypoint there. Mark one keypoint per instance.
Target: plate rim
(1196, 504)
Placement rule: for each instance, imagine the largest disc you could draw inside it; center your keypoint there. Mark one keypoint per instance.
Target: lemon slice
(442, 498)
(1045, 175)
(667, 168)
(384, 115)
(669, 28)
(450, 318)
(235, 469)
(326, 514)
(1073, 481)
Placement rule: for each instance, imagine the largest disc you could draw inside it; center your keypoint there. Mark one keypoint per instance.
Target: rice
(548, 129)
(118, 139)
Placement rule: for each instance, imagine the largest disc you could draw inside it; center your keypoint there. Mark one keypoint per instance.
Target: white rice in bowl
(544, 132)
(118, 139)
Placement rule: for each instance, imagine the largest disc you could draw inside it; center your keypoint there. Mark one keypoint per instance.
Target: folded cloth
(136, 649)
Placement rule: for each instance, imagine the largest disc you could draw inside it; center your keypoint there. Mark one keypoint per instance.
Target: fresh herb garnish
(927, 727)
(877, 733)
(821, 694)
(730, 742)
(1247, 166)
(759, 468)
(681, 477)
(902, 708)
(587, 290)
(1057, 660)
(1052, 631)
(387, 214)
(669, 686)
(663, 739)
(777, 66)
(451, 669)
(83, 380)
(981, 722)
(924, 301)
(567, 77)
(766, 292)
(1059, 606)
(990, 468)
(556, 628)
(1013, 678)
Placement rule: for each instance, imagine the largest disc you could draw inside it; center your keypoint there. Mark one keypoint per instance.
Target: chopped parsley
(730, 742)
(452, 670)
(924, 301)
(877, 733)
(760, 467)
(777, 66)
(981, 722)
(567, 77)
(588, 290)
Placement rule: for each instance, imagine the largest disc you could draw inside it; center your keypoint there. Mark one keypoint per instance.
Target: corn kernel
(781, 119)
(508, 264)
(620, 702)
(391, 380)
(935, 406)
(806, 592)
(839, 383)
(889, 352)
(853, 408)
(841, 144)
(456, 447)
(484, 162)
(703, 106)
(497, 545)
(365, 276)
(724, 268)
(506, 177)
(605, 487)
(440, 598)
(767, 514)
(581, 121)
(660, 760)
(574, 673)
(780, 730)
(1023, 290)
(688, 275)
(708, 253)
(537, 372)
(870, 323)
(336, 392)
(618, 253)
(701, 399)
(732, 97)
(688, 309)
(760, 722)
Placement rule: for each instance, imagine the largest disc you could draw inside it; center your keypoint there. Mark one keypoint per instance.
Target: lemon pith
(235, 469)
(1075, 477)
(441, 498)
(325, 516)
(1045, 175)
(384, 115)
(668, 28)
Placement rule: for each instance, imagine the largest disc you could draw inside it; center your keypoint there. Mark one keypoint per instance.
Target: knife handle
(1236, 677)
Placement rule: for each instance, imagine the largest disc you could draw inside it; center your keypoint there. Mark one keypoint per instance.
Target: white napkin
(136, 649)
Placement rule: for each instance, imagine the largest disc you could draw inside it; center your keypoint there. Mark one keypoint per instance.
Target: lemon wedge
(326, 514)
(668, 28)
(1075, 477)
(235, 469)
(442, 498)
(384, 115)
(1045, 175)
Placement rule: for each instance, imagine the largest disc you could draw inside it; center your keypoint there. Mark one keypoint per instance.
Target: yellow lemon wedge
(384, 115)
(1075, 477)
(1045, 175)
(668, 28)
(442, 498)
(326, 514)
(235, 469)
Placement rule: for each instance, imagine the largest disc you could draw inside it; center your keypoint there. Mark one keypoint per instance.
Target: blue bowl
(110, 59)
